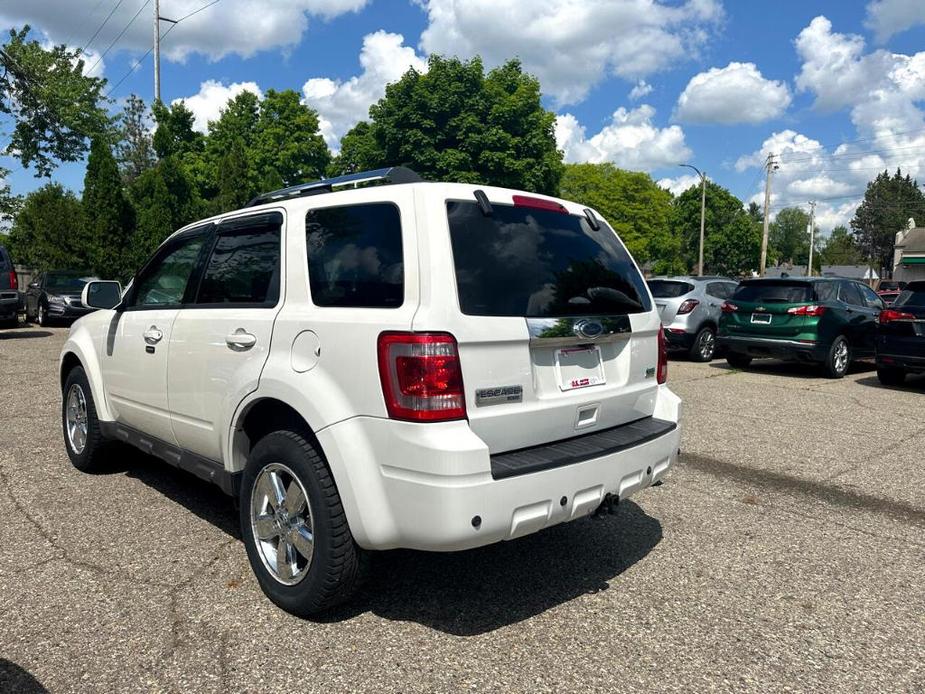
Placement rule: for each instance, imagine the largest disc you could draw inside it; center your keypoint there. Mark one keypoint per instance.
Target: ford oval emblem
(588, 329)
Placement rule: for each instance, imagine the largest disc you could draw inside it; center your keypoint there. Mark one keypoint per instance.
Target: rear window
(774, 292)
(536, 263)
(912, 295)
(669, 289)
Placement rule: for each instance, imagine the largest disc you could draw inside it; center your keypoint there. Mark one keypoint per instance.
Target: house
(784, 271)
(909, 254)
(851, 272)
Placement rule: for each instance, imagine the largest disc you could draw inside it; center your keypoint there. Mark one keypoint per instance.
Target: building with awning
(909, 254)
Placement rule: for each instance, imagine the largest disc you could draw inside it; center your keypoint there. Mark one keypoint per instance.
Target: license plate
(764, 318)
(579, 367)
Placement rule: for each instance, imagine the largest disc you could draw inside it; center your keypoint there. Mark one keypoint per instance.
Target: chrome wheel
(41, 315)
(707, 345)
(76, 417)
(282, 524)
(841, 356)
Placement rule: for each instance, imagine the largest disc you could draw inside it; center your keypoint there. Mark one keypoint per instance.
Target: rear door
(221, 338)
(857, 316)
(554, 322)
(872, 305)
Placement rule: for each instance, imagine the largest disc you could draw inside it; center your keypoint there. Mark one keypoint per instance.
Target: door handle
(240, 340)
(152, 335)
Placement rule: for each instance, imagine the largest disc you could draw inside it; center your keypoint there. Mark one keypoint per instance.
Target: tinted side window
(826, 291)
(720, 290)
(849, 294)
(355, 256)
(871, 300)
(4, 259)
(163, 282)
(244, 267)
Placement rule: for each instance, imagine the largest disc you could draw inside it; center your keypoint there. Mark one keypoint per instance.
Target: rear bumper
(9, 303)
(431, 486)
(773, 347)
(680, 339)
(901, 361)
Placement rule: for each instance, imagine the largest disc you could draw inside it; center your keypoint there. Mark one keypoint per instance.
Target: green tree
(165, 200)
(9, 203)
(47, 230)
(134, 149)
(236, 125)
(840, 248)
(456, 123)
(287, 147)
(175, 133)
(232, 172)
(788, 240)
(108, 217)
(889, 202)
(732, 238)
(55, 107)
(359, 151)
(637, 209)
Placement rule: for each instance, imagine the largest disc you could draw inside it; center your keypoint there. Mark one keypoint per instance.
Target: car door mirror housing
(33, 285)
(103, 294)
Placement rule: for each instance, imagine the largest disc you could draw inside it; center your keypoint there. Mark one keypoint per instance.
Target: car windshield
(774, 292)
(65, 283)
(669, 289)
(913, 295)
(523, 261)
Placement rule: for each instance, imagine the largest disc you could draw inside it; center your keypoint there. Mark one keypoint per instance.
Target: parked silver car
(690, 308)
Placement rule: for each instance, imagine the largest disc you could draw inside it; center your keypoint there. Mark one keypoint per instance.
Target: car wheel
(737, 360)
(891, 376)
(294, 526)
(704, 347)
(839, 359)
(83, 438)
(41, 316)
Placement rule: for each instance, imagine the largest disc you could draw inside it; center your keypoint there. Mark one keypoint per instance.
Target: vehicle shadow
(912, 383)
(20, 334)
(13, 678)
(791, 368)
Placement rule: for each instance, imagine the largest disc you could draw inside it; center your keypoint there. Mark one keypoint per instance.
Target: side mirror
(101, 294)
(33, 285)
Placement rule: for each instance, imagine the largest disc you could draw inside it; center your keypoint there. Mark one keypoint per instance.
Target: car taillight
(539, 204)
(14, 282)
(811, 310)
(728, 307)
(662, 375)
(421, 377)
(688, 306)
(889, 315)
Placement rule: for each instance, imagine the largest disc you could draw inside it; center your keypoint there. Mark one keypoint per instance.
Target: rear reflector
(688, 306)
(729, 307)
(811, 310)
(889, 315)
(539, 204)
(421, 377)
(14, 282)
(662, 358)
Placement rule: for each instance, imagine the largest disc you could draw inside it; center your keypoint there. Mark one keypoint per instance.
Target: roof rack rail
(393, 175)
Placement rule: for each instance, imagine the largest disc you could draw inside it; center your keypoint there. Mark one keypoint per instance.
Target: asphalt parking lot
(785, 553)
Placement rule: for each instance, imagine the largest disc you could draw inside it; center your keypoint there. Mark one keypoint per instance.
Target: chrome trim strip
(578, 330)
(772, 340)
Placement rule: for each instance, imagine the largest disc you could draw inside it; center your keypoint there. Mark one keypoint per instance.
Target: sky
(835, 89)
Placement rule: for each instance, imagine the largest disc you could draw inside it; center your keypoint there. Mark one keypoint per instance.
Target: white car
(431, 366)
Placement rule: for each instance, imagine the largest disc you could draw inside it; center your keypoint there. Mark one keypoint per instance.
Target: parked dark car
(10, 300)
(56, 295)
(891, 286)
(901, 336)
(889, 295)
(823, 321)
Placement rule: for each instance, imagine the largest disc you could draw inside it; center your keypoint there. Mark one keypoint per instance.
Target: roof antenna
(592, 220)
(484, 204)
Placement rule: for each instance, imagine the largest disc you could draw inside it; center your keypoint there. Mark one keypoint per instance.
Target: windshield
(523, 261)
(669, 289)
(771, 292)
(65, 283)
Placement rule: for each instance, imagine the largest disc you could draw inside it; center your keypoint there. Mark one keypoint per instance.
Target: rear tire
(737, 360)
(41, 316)
(83, 437)
(839, 358)
(704, 347)
(298, 542)
(891, 376)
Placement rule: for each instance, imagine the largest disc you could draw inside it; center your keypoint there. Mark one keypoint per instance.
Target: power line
(74, 30)
(100, 27)
(121, 34)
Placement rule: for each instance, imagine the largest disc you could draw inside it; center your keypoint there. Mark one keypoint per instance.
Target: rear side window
(669, 289)
(355, 256)
(774, 292)
(720, 290)
(826, 291)
(912, 295)
(244, 266)
(537, 263)
(850, 294)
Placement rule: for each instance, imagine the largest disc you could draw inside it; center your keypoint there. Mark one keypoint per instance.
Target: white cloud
(341, 104)
(240, 27)
(207, 104)
(679, 184)
(888, 17)
(569, 45)
(642, 89)
(630, 141)
(737, 93)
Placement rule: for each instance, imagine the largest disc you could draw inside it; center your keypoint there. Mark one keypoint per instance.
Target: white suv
(431, 366)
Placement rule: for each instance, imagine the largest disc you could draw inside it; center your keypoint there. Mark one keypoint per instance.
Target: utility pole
(812, 236)
(157, 47)
(703, 211)
(770, 165)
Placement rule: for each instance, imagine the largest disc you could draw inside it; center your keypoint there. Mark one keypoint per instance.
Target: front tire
(41, 316)
(294, 526)
(891, 376)
(839, 358)
(737, 360)
(83, 437)
(704, 347)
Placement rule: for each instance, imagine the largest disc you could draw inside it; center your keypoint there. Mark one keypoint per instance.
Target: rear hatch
(8, 283)
(668, 296)
(769, 309)
(555, 326)
(902, 325)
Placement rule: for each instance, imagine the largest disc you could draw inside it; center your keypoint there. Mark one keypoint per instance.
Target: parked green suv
(820, 320)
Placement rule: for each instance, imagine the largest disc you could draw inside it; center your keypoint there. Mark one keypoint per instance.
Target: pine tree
(233, 189)
(889, 203)
(135, 149)
(108, 217)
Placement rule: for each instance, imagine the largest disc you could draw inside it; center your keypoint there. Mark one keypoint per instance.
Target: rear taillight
(889, 315)
(688, 306)
(421, 377)
(662, 358)
(14, 282)
(539, 204)
(728, 307)
(811, 310)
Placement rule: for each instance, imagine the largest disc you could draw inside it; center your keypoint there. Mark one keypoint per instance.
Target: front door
(134, 361)
(221, 338)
